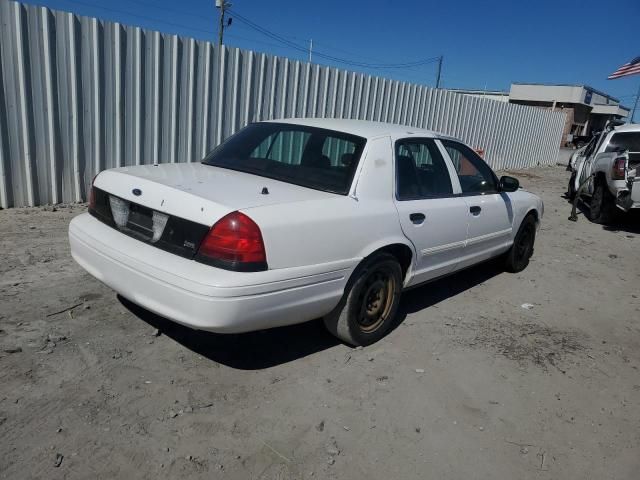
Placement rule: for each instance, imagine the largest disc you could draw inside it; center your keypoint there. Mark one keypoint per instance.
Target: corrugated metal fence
(78, 95)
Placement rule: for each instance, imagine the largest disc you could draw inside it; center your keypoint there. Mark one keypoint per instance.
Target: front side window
(311, 157)
(421, 172)
(474, 174)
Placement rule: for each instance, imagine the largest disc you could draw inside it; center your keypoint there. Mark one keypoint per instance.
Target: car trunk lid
(197, 192)
(173, 206)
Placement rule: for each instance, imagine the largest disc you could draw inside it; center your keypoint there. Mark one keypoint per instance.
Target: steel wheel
(367, 310)
(376, 299)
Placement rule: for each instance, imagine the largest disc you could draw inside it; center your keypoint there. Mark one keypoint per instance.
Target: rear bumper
(628, 197)
(200, 296)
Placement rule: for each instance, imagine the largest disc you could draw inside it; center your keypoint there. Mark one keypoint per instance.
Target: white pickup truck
(606, 174)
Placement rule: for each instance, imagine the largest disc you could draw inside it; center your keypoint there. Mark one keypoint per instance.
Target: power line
(300, 48)
(209, 33)
(144, 17)
(167, 9)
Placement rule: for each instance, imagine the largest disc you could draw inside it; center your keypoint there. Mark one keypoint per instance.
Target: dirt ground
(489, 374)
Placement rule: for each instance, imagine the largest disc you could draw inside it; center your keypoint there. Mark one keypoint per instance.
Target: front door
(431, 215)
(490, 213)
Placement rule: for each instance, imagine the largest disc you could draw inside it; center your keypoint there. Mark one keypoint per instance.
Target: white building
(586, 108)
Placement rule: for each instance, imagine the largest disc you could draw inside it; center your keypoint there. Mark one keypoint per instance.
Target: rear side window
(421, 172)
(475, 176)
(624, 141)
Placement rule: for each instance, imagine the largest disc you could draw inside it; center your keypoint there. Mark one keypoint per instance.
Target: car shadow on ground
(625, 222)
(268, 348)
(246, 351)
(434, 292)
(628, 222)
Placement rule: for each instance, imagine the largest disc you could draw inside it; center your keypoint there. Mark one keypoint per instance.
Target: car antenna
(265, 191)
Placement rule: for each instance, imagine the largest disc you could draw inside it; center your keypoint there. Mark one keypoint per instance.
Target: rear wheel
(369, 305)
(517, 258)
(602, 207)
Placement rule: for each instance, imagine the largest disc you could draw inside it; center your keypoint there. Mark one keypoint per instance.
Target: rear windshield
(624, 141)
(307, 156)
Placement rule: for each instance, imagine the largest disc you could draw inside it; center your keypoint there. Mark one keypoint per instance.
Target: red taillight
(235, 243)
(619, 168)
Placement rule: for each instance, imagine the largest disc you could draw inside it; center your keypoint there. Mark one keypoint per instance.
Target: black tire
(518, 256)
(571, 189)
(370, 302)
(602, 207)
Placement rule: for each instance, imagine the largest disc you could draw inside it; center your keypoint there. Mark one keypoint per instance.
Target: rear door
(490, 212)
(432, 214)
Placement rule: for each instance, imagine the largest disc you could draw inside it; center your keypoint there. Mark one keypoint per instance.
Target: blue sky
(485, 44)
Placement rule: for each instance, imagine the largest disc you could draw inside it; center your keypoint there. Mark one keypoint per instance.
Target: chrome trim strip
(489, 236)
(462, 244)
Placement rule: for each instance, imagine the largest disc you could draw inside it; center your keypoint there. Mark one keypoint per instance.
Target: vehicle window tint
(624, 141)
(421, 172)
(308, 156)
(338, 151)
(475, 176)
(285, 147)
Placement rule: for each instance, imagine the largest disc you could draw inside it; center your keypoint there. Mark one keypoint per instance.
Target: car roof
(361, 128)
(629, 127)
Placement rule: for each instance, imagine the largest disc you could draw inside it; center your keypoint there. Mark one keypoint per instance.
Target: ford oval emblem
(137, 192)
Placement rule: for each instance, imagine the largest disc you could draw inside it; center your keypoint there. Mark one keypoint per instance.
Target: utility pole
(635, 106)
(222, 5)
(310, 49)
(439, 71)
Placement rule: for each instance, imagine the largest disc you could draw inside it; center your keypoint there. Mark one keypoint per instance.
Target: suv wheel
(602, 207)
(370, 301)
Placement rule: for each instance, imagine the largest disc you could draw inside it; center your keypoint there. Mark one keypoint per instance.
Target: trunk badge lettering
(137, 192)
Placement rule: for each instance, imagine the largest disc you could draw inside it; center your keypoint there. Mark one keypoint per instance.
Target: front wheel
(369, 305)
(518, 256)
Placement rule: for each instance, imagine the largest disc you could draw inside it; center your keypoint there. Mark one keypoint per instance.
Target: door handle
(417, 218)
(475, 210)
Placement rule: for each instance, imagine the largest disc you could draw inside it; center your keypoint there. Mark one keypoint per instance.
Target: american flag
(631, 68)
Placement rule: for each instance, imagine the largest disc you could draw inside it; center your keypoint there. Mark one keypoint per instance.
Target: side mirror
(509, 184)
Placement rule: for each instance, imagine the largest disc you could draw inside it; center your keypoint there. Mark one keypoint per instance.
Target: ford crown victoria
(292, 220)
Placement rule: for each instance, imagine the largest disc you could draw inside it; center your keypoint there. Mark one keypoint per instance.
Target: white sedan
(296, 219)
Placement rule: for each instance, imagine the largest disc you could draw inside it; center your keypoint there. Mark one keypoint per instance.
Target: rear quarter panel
(342, 227)
(318, 232)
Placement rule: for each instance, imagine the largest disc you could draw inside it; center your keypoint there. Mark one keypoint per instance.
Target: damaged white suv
(607, 173)
(292, 220)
